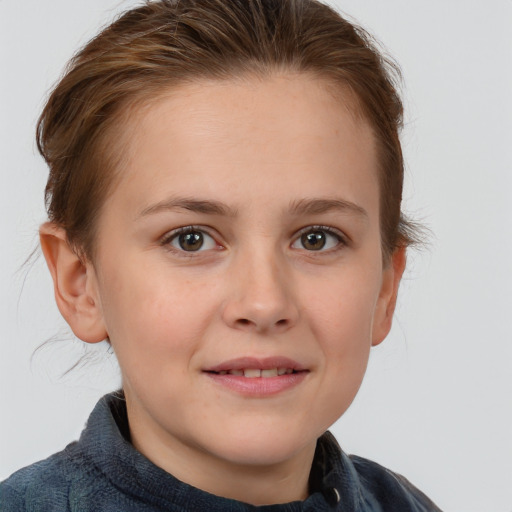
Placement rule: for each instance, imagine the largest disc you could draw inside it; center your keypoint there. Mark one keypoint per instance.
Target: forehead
(288, 133)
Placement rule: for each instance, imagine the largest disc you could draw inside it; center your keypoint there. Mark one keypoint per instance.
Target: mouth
(258, 377)
(256, 373)
(252, 367)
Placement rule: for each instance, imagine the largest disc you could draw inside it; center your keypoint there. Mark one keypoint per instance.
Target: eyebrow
(210, 207)
(194, 205)
(318, 206)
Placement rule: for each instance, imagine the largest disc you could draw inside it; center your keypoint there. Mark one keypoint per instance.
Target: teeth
(252, 373)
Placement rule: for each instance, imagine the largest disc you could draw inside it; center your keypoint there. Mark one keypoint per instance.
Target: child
(224, 208)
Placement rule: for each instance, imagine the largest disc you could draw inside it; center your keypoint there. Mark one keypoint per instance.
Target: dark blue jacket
(104, 472)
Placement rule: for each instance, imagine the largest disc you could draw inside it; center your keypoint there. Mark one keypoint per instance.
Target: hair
(165, 43)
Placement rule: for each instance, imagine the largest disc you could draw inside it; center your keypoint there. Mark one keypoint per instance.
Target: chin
(266, 447)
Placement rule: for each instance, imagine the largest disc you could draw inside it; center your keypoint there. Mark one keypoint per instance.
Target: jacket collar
(105, 442)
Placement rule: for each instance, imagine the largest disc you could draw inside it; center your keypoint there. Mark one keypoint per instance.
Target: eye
(318, 238)
(190, 239)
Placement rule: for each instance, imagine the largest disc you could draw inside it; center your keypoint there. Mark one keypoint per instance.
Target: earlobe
(74, 284)
(386, 303)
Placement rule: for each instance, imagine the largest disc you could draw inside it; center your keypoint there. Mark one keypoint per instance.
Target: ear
(75, 285)
(392, 274)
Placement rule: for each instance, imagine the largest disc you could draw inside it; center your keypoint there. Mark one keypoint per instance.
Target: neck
(256, 484)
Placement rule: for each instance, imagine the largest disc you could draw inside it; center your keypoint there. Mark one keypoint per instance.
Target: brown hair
(166, 42)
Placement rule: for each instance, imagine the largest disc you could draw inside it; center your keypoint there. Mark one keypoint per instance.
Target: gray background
(436, 404)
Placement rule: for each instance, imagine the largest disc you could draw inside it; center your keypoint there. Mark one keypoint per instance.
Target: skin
(263, 149)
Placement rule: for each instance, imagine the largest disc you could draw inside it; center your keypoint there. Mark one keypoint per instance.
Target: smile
(258, 378)
(253, 373)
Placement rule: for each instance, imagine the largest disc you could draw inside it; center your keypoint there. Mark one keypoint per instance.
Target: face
(239, 270)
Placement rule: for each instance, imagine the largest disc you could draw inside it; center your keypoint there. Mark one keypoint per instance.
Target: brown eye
(313, 241)
(189, 239)
(192, 241)
(320, 239)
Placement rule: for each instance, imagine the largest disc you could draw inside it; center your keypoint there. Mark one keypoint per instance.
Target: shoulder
(45, 482)
(85, 476)
(390, 490)
(363, 485)
(53, 484)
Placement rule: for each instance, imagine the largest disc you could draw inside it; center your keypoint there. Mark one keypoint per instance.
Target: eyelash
(168, 238)
(338, 235)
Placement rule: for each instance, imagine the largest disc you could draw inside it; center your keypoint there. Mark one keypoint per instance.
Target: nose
(261, 296)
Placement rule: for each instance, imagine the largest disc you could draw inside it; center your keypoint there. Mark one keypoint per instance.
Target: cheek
(150, 313)
(342, 308)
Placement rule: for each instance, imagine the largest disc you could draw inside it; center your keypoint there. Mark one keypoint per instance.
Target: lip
(257, 387)
(253, 363)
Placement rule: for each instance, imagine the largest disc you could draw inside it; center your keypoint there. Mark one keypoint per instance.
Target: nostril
(261, 323)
